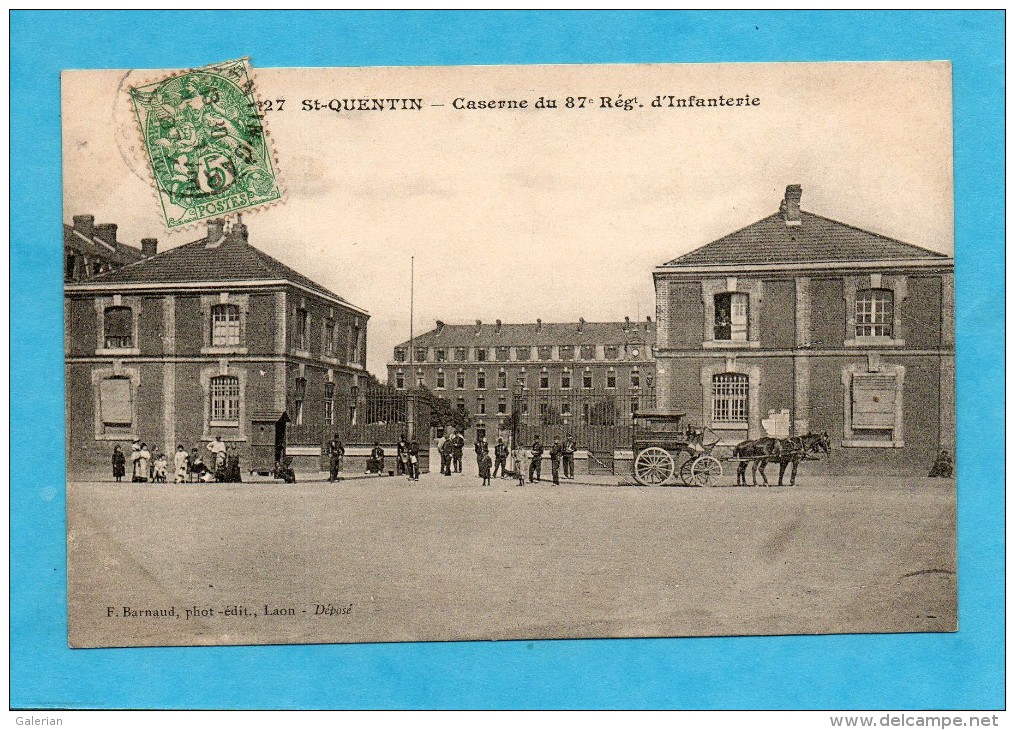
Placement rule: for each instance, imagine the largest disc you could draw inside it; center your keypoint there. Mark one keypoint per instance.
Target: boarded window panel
(874, 402)
(114, 401)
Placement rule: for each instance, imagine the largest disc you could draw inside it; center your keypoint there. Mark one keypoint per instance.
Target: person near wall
(500, 452)
(536, 465)
(159, 465)
(336, 450)
(197, 468)
(119, 464)
(140, 458)
(181, 464)
(457, 449)
(567, 456)
(402, 456)
(414, 460)
(555, 452)
(217, 447)
(233, 464)
(375, 464)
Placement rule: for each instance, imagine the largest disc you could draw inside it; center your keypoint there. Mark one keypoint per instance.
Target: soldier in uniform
(536, 465)
(555, 452)
(567, 452)
(500, 452)
(457, 446)
(336, 450)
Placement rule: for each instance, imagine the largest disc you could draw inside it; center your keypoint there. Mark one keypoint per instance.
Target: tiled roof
(229, 258)
(533, 334)
(816, 239)
(121, 253)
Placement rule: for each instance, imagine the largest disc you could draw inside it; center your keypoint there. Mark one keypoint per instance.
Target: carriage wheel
(653, 466)
(705, 470)
(685, 472)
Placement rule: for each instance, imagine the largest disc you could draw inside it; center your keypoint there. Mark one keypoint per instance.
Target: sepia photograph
(461, 353)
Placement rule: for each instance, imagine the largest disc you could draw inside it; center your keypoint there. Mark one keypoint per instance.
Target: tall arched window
(729, 398)
(225, 325)
(118, 327)
(875, 311)
(225, 398)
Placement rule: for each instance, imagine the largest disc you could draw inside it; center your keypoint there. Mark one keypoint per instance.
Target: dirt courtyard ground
(384, 559)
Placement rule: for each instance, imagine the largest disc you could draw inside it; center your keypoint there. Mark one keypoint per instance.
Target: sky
(515, 214)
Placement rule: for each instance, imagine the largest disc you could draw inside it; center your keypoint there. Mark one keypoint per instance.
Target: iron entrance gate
(599, 421)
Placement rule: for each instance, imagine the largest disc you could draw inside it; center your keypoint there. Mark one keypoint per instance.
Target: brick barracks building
(211, 338)
(800, 323)
(479, 366)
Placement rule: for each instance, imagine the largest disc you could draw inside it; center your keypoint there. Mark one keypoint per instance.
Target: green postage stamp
(206, 144)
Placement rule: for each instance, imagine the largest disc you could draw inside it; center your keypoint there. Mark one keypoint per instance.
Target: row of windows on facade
(587, 380)
(117, 413)
(503, 353)
(874, 309)
(225, 330)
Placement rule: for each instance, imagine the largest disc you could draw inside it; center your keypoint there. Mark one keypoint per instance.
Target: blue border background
(961, 670)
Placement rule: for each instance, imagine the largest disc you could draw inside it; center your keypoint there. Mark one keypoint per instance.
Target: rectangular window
(729, 398)
(502, 379)
(523, 353)
(329, 338)
(565, 408)
(544, 352)
(544, 408)
(587, 380)
(329, 404)
(634, 407)
(481, 380)
(70, 264)
(503, 354)
(635, 380)
(611, 380)
(441, 355)
(301, 395)
(565, 380)
(544, 380)
(481, 407)
(119, 327)
(440, 380)
(566, 352)
(731, 316)
(302, 329)
(225, 398)
(588, 352)
(115, 406)
(650, 381)
(611, 352)
(399, 355)
(875, 312)
(460, 380)
(461, 354)
(480, 354)
(502, 406)
(420, 380)
(421, 354)
(400, 380)
(225, 325)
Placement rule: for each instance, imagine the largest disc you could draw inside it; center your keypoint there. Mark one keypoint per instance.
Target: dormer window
(611, 352)
(480, 354)
(440, 354)
(399, 354)
(544, 352)
(588, 352)
(566, 352)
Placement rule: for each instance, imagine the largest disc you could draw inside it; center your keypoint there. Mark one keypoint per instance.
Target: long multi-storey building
(481, 367)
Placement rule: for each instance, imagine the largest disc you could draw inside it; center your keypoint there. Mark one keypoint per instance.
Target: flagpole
(412, 293)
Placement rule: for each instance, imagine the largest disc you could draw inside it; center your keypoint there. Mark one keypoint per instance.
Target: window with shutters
(872, 407)
(225, 399)
(729, 398)
(116, 407)
(118, 328)
(225, 325)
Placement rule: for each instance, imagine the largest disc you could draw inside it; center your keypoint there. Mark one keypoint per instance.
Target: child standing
(159, 468)
(519, 458)
(119, 464)
(485, 462)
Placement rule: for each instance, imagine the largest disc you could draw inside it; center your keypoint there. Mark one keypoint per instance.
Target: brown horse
(786, 451)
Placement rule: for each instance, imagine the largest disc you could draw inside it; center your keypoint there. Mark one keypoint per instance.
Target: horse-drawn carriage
(665, 448)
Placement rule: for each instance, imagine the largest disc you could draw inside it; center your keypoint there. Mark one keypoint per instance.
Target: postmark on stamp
(206, 144)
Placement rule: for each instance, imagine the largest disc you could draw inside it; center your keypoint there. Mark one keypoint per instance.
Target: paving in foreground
(385, 559)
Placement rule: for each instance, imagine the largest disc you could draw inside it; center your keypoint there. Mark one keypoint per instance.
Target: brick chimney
(790, 208)
(479, 326)
(106, 233)
(149, 247)
(440, 326)
(581, 324)
(216, 229)
(498, 326)
(85, 225)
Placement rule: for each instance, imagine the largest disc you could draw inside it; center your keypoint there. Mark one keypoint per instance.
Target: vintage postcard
(528, 352)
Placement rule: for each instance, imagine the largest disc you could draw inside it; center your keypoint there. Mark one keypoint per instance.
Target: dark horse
(786, 451)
